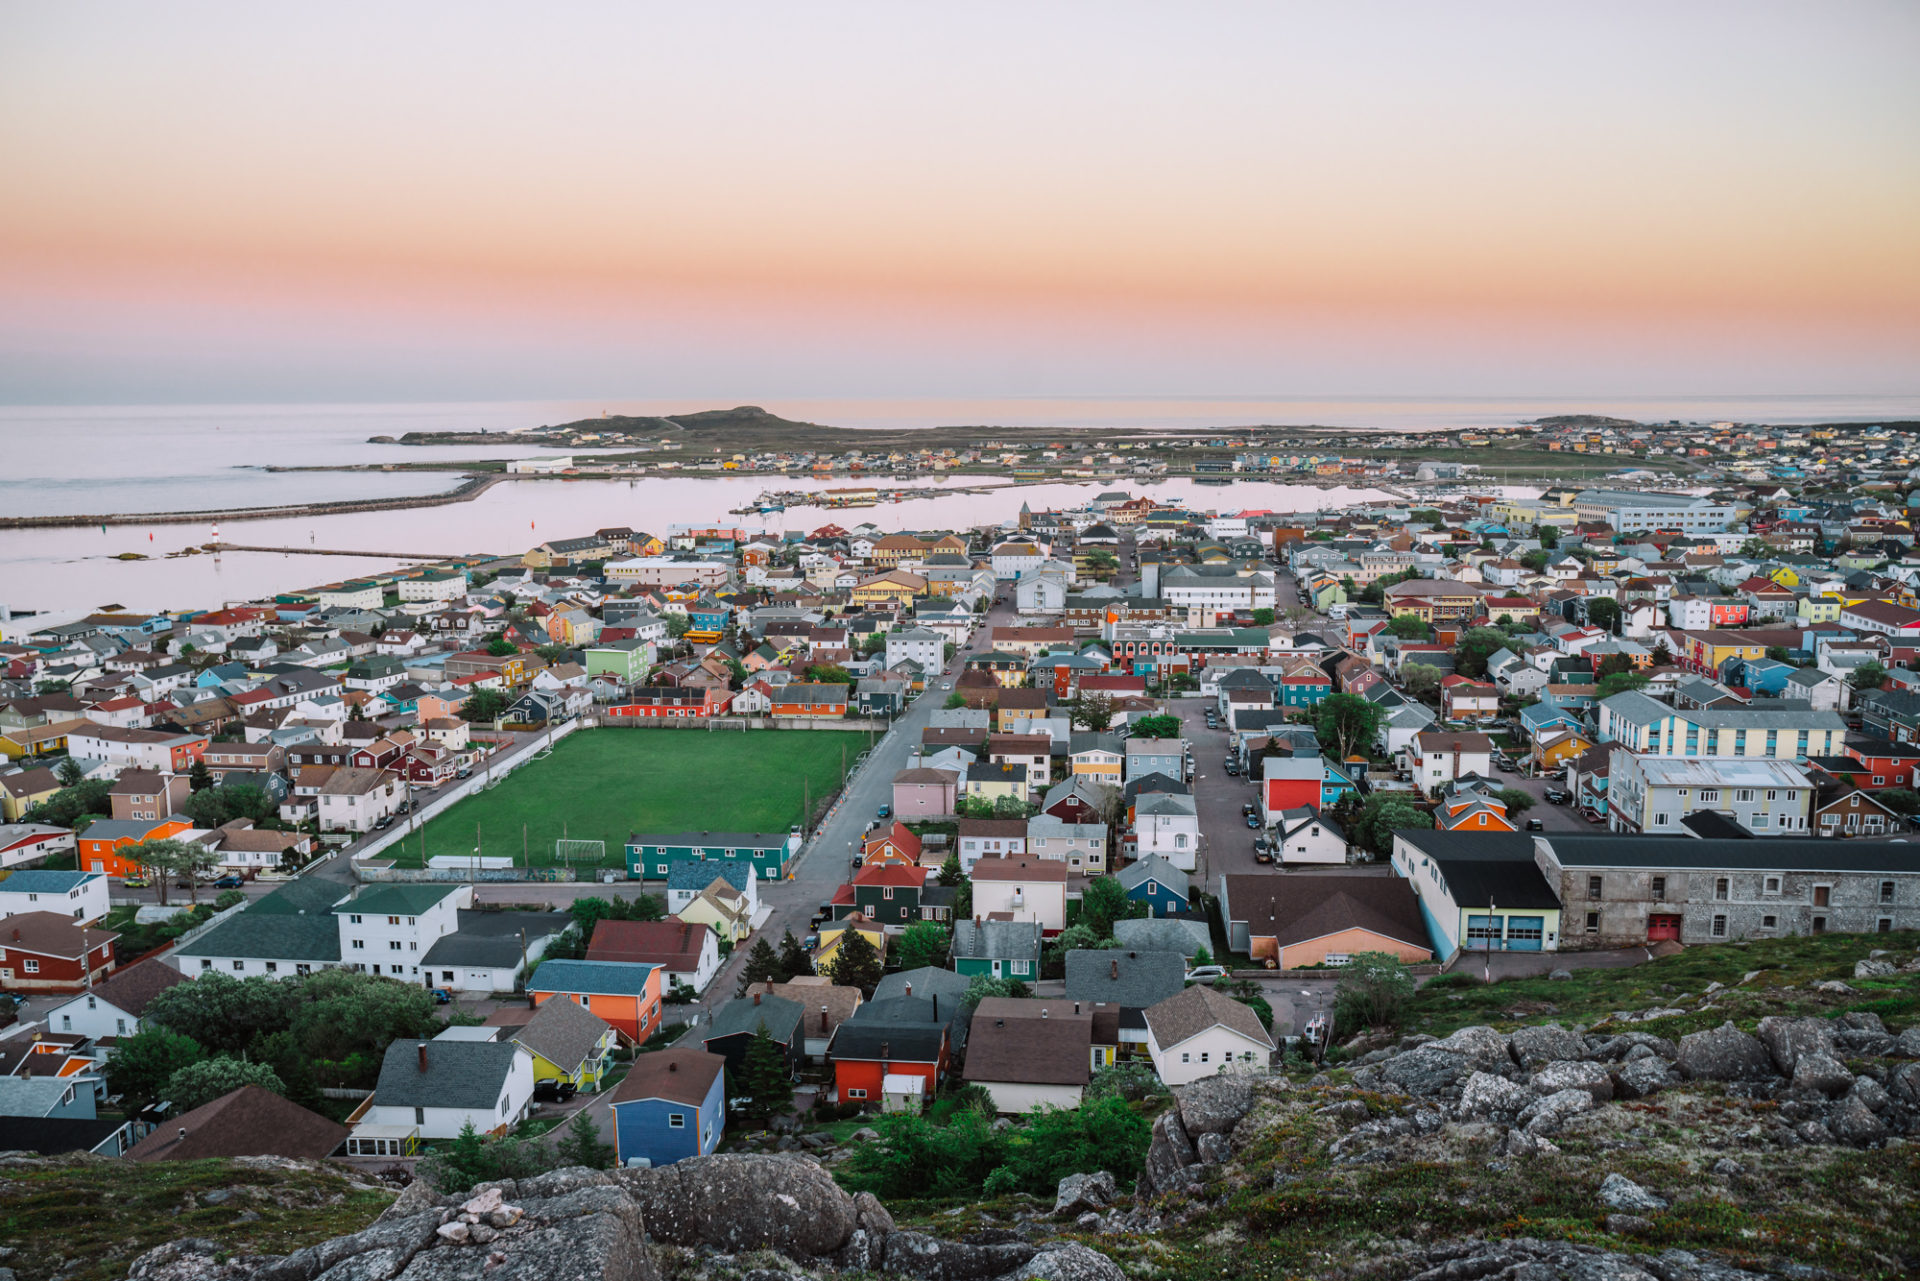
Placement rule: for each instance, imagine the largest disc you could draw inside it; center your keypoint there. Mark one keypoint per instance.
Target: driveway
(1553, 818)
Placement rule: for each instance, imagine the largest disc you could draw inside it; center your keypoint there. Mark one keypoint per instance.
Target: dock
(332, 551)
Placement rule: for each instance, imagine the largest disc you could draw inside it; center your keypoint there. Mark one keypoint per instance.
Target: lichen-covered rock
(405, 1236)
(1486, 1096)
(191, 1259)
(1069, 1263)
(870, 1216)
(1852, 1121)
(1724, 1053)
(1425, 1072)
(1618, 1192)
(1078, 1193)
(1819, 1071)
(1904, 1083)
(1215, 1104)
(1573, 1074)
(927, 1258)
(1871, 968)
(1546, 1115)
(1545, 1043)
(1617, 1049)
(1645, 1076)
(1485, 1049)
(1212, 1149)
(776, 1202)
(1787, 1039)
(1168, 1152)
(1907, 1044)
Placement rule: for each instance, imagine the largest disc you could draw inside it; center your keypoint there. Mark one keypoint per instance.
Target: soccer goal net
(579, 853)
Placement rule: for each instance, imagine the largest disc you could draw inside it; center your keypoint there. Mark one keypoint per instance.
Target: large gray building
(1628, 509)
(1618, 892)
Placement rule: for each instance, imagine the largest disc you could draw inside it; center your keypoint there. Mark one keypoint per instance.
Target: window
(1773, 885)
(503, 1105)
(1185, 1057)
(1708, 795)
(1886, 891)
(1822, 895)
(856, 1094)
(206, 965)
(353, 920)
(273, 967)
(1769, 922)
(1719, 927)
(1593, 887)
(678, 1120)
(1659, 820)
(1659, 887)
(1722, 888)
(359, 945)
(393, 945)
(1885, 926)
(419, 1116)
(120, 1027)
(1203, 1056)
(239, 965)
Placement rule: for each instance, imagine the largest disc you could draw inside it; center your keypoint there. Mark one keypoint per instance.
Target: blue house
(672, 1105)
(1157, 883)
(1336, 781)
(1537, 718)
(219, 675)
(708, 617)
(1761, 675)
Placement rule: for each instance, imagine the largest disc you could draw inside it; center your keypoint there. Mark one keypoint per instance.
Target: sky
(469, 201)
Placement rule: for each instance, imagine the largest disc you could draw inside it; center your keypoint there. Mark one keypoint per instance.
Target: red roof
(894, 874)
(677, 945)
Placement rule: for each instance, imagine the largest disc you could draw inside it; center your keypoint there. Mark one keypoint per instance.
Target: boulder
(1618, 1192)
(735, 1203)
(1078, 1193)
(1787, 1039)
(870, 1216)
(1863, 1043)
(927, 1258)
(1624, 1044)
(1573, 1075)
(1212, 1149)
(1544, 1116)
(1069, 1263)
(1819, 1071)
(1907, 1044)
(1560, 976)
(1644, 1076)
(1853, 1121)
(404, 1236)
(1169, 1152)
(1486, 1096)
(1483, 1048)
(1871, 1093)
(1427, 1071)
(1904, 1083)
(1724, 1053)
(191, 1259)
(1546, 1043)
(1215, 1104)
(1870, 968)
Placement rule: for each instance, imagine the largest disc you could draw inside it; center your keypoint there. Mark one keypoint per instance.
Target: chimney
(909, 986)
(1043, 1011)
(1114, 969)
(183, 1134)
(756, 998)
(672, 1066)
(423, 1056)
(823, 1018)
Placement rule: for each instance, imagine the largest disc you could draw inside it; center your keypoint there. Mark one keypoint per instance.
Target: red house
(47, 952)
(674, 702)
(867, 1051)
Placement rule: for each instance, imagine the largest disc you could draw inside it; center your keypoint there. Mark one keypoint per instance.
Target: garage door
(1662, 927)
(1524, 933)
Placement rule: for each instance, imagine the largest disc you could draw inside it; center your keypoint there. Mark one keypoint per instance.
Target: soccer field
(603, 784)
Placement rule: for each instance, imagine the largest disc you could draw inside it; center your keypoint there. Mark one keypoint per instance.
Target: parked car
(386, 821)
(1535, 825)
(1233, 768)
(442, 996)
(1248, 808)
(552, 1091)
(1203, 973)
(1253, 821)
(230, 882)
(135, 883)
(1263, 856)
(886, 811)
(1557, 796)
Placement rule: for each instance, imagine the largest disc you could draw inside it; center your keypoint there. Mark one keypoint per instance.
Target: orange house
(866, 1052)
(100, 844)
(894, 847)
(624, 994)
(1474, 813)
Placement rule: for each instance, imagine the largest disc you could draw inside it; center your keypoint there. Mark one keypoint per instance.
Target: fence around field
(738, 724)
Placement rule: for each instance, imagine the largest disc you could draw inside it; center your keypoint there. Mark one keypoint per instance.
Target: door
(1483, 933)
(1525, 932)
(1661, 927)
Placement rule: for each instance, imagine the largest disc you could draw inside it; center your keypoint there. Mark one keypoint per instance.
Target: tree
(341, 1013)
(1780, 653)
(1613, 665)
(582, 1145)
(221, 1012)
(1383, 814)
(1346, 722)
(1374, 990)
(1409, 627)
(1422, 680)
(207, 1080)
(1105, 1134)
(66, 807)
(1105, 901)
(763, 1085)
(1475, 648)
(143, 1063)
(1092, 711)
(763, 966)
(1012, 807)
(1901, 800)
(1428, 516)
(483, 705)
(1536, 560)
(223, 804)
(950, 873)
(1263, 617)
(500, 647)
(794, 960)
(1619, 683)
(1604, 611)
(1161, 726)
(955, 699)
(167, 858)
(1662, 653)
(983, 986)
(829, 674)
(1549, 537)
(1202, 957)
(1869, 675)
(357, 712)
(68, 772)
(923, 944)
(856, 963)
(282, 1052)
(1516, 800)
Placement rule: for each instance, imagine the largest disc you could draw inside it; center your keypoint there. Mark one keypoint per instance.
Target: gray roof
(459, 1074)
(695, 874)
(1163, 934)
(1152, 867)
(32, 1095)
(271, 936)
(563, 1033)
(1191, 1011)
(997, 940)
(1131, 978)
(926, 981)
(780, 1016)
(1638, 708)
(1773, 854)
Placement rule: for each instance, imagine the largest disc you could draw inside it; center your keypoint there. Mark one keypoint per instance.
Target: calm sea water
(169, 458)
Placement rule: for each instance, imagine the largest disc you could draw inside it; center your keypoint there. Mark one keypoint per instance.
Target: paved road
(1553, 818)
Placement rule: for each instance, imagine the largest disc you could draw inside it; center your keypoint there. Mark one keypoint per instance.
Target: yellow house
(1786, 576)
(38, 740)
(1820, 609)
(21, 792)
(989, 782)
(895, 587)
(568, 1043)
(1099, 764)
(832, 932)
(720, 907)
(1557, 747)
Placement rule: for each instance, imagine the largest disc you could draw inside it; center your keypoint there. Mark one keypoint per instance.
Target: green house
(624, 660)
(651, 855)
(997, 949)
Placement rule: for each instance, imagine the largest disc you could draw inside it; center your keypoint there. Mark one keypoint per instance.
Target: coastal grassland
(87, 1219)
(603, 784)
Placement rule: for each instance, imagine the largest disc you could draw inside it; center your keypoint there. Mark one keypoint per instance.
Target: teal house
(652, 855)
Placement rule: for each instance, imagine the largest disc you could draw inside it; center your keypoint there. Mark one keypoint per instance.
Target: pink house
(925, 793)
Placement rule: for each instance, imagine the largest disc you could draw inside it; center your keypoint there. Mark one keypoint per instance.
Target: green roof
(267, 936)
(396, 900)
(308, 894)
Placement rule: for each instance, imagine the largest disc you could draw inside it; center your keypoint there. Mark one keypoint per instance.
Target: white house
(1198, 1032)
(1027, 889)
(81, 895)
(434, 585)
(1437, 758)
(354, 799)
(1041, 592)
(113, 1009)
(388, 929)
(1017, 559)
(432, 1089)
(1169, 826)
(1305, 837)
(919, 645)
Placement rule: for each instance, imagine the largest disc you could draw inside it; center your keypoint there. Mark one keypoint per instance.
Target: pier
(333, 551)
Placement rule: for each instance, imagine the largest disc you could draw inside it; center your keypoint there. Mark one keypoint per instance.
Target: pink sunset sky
(347, 201)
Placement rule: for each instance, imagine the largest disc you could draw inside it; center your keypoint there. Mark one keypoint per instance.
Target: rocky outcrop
(1618, 1192)
(1525, 1257)
(779, 1202)
(1079, 1193)
(1546, 1043)
(1215, 1104)
(1724, 1053)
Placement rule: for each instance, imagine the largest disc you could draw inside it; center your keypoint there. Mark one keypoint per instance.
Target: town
(649, 845)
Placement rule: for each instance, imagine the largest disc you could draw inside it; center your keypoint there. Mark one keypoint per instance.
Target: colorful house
(671, 1106)
(623, 994)
(1157, 883)
(653, 854)
(100, 844)
(832, 933)
(568, 1043)
(893, 846)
